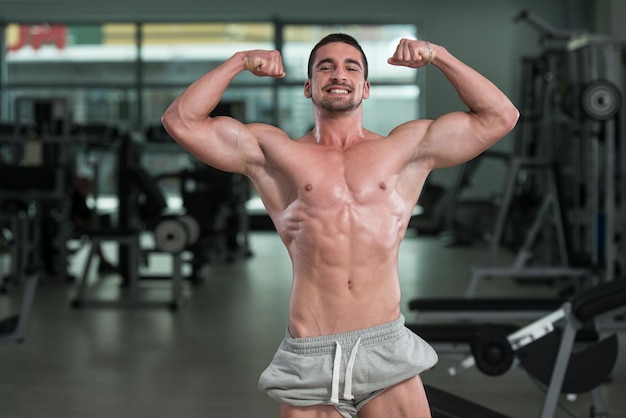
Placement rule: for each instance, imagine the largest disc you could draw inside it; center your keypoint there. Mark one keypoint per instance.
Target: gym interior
(136, 282)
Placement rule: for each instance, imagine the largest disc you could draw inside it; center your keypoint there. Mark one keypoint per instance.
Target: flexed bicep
(457, 137)
(221, 142)
(454, 139)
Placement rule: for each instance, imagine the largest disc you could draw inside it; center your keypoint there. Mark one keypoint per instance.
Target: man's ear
(307, 89)
(366, 90)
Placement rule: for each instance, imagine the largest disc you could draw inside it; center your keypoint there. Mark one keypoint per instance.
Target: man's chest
(318, 177)
(343, 175)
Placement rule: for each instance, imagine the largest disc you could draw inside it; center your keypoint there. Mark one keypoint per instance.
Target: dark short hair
(336, 37)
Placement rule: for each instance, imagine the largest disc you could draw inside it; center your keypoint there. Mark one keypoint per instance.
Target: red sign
(38, 35)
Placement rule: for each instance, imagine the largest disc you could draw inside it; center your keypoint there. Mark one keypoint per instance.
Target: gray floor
(204, 360)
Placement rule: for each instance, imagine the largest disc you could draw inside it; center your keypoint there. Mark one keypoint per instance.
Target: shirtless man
(341, 198)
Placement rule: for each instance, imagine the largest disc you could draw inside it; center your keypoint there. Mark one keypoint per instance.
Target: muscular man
(340, 198)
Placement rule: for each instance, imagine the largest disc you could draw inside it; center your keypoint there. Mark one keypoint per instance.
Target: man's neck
(339, 130)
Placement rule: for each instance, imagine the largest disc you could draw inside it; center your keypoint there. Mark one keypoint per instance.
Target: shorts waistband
(326, 344)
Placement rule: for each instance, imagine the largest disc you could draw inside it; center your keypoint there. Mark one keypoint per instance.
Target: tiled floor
(204, 360)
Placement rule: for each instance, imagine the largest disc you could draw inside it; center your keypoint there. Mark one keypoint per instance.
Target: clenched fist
(264, 63)
(413, 54)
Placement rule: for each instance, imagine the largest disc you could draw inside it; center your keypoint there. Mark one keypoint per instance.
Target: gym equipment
(192, 227)
(601, 100)
(601, 306)
(132, 298)
(446, 405)
(492, 353)
(24, 277)
(482, 308)
(572, 116)
(453, 233)
(442, 208)
(172, 235)
(34, 150)
(13, 328)
(545, 348)
(549, 210)
(216, 200)
(23, 192)
(566, 157)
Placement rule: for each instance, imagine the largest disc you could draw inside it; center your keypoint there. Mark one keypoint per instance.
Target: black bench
(446, 405)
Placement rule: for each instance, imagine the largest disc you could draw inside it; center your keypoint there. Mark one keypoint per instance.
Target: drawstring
(347, 391)
(334, 394)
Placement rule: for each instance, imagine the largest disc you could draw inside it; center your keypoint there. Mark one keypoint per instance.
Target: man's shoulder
(411, 127)
(264, 131)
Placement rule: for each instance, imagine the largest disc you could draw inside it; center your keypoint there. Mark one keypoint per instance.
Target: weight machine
(200, 231)
(23, 190)
(33, 200)
(569, 166)
(567, 350)
(171, 234)
(570, 157)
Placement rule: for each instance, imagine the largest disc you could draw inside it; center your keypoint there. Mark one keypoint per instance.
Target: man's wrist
(439, 54)
(430, 53)
(240, 59)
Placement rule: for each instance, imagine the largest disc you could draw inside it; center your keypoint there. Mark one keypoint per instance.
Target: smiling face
(337, 81)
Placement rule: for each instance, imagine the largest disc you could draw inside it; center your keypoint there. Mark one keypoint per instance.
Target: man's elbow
(511, 118)
(508, 116)
(172, 122)
(500, 125)
(168, 118)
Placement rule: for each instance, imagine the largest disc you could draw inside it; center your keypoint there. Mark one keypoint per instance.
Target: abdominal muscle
(344, 265)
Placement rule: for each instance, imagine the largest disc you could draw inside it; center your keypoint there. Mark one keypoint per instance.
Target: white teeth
(339, 91)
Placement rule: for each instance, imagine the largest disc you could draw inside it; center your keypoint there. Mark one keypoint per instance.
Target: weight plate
(601, 100)
(170, 236)
(193, 228)
(492, 352)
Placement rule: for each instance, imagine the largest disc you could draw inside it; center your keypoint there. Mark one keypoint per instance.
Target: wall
(479, 32)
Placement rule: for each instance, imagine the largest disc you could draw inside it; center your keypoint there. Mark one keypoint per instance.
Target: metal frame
(132, 297)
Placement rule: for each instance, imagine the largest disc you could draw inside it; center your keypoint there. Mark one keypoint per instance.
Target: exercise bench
(446, 405)
(482, 308)
(545, 348)
(172, 234)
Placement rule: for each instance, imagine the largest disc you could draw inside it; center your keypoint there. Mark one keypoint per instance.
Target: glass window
(95, 65)
(396, 104)
(295, 114)
(85, 106)
(243, 103)
(118, 78)
(182, 52)
(72, 54)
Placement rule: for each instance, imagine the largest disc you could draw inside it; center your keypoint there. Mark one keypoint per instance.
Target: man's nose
(339, 74)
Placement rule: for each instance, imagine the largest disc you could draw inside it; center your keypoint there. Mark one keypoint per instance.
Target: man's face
(338, 78)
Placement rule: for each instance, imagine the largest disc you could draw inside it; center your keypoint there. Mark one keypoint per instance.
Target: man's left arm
(457, 137)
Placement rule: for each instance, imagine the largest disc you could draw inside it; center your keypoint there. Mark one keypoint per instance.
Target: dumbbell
(174, 234)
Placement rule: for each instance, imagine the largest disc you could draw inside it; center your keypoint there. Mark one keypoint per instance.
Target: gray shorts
(345, 370)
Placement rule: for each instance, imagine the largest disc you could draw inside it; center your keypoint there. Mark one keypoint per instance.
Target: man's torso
(342, 214)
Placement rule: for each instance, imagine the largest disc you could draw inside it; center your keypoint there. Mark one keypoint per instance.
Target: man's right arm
(221, 142)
